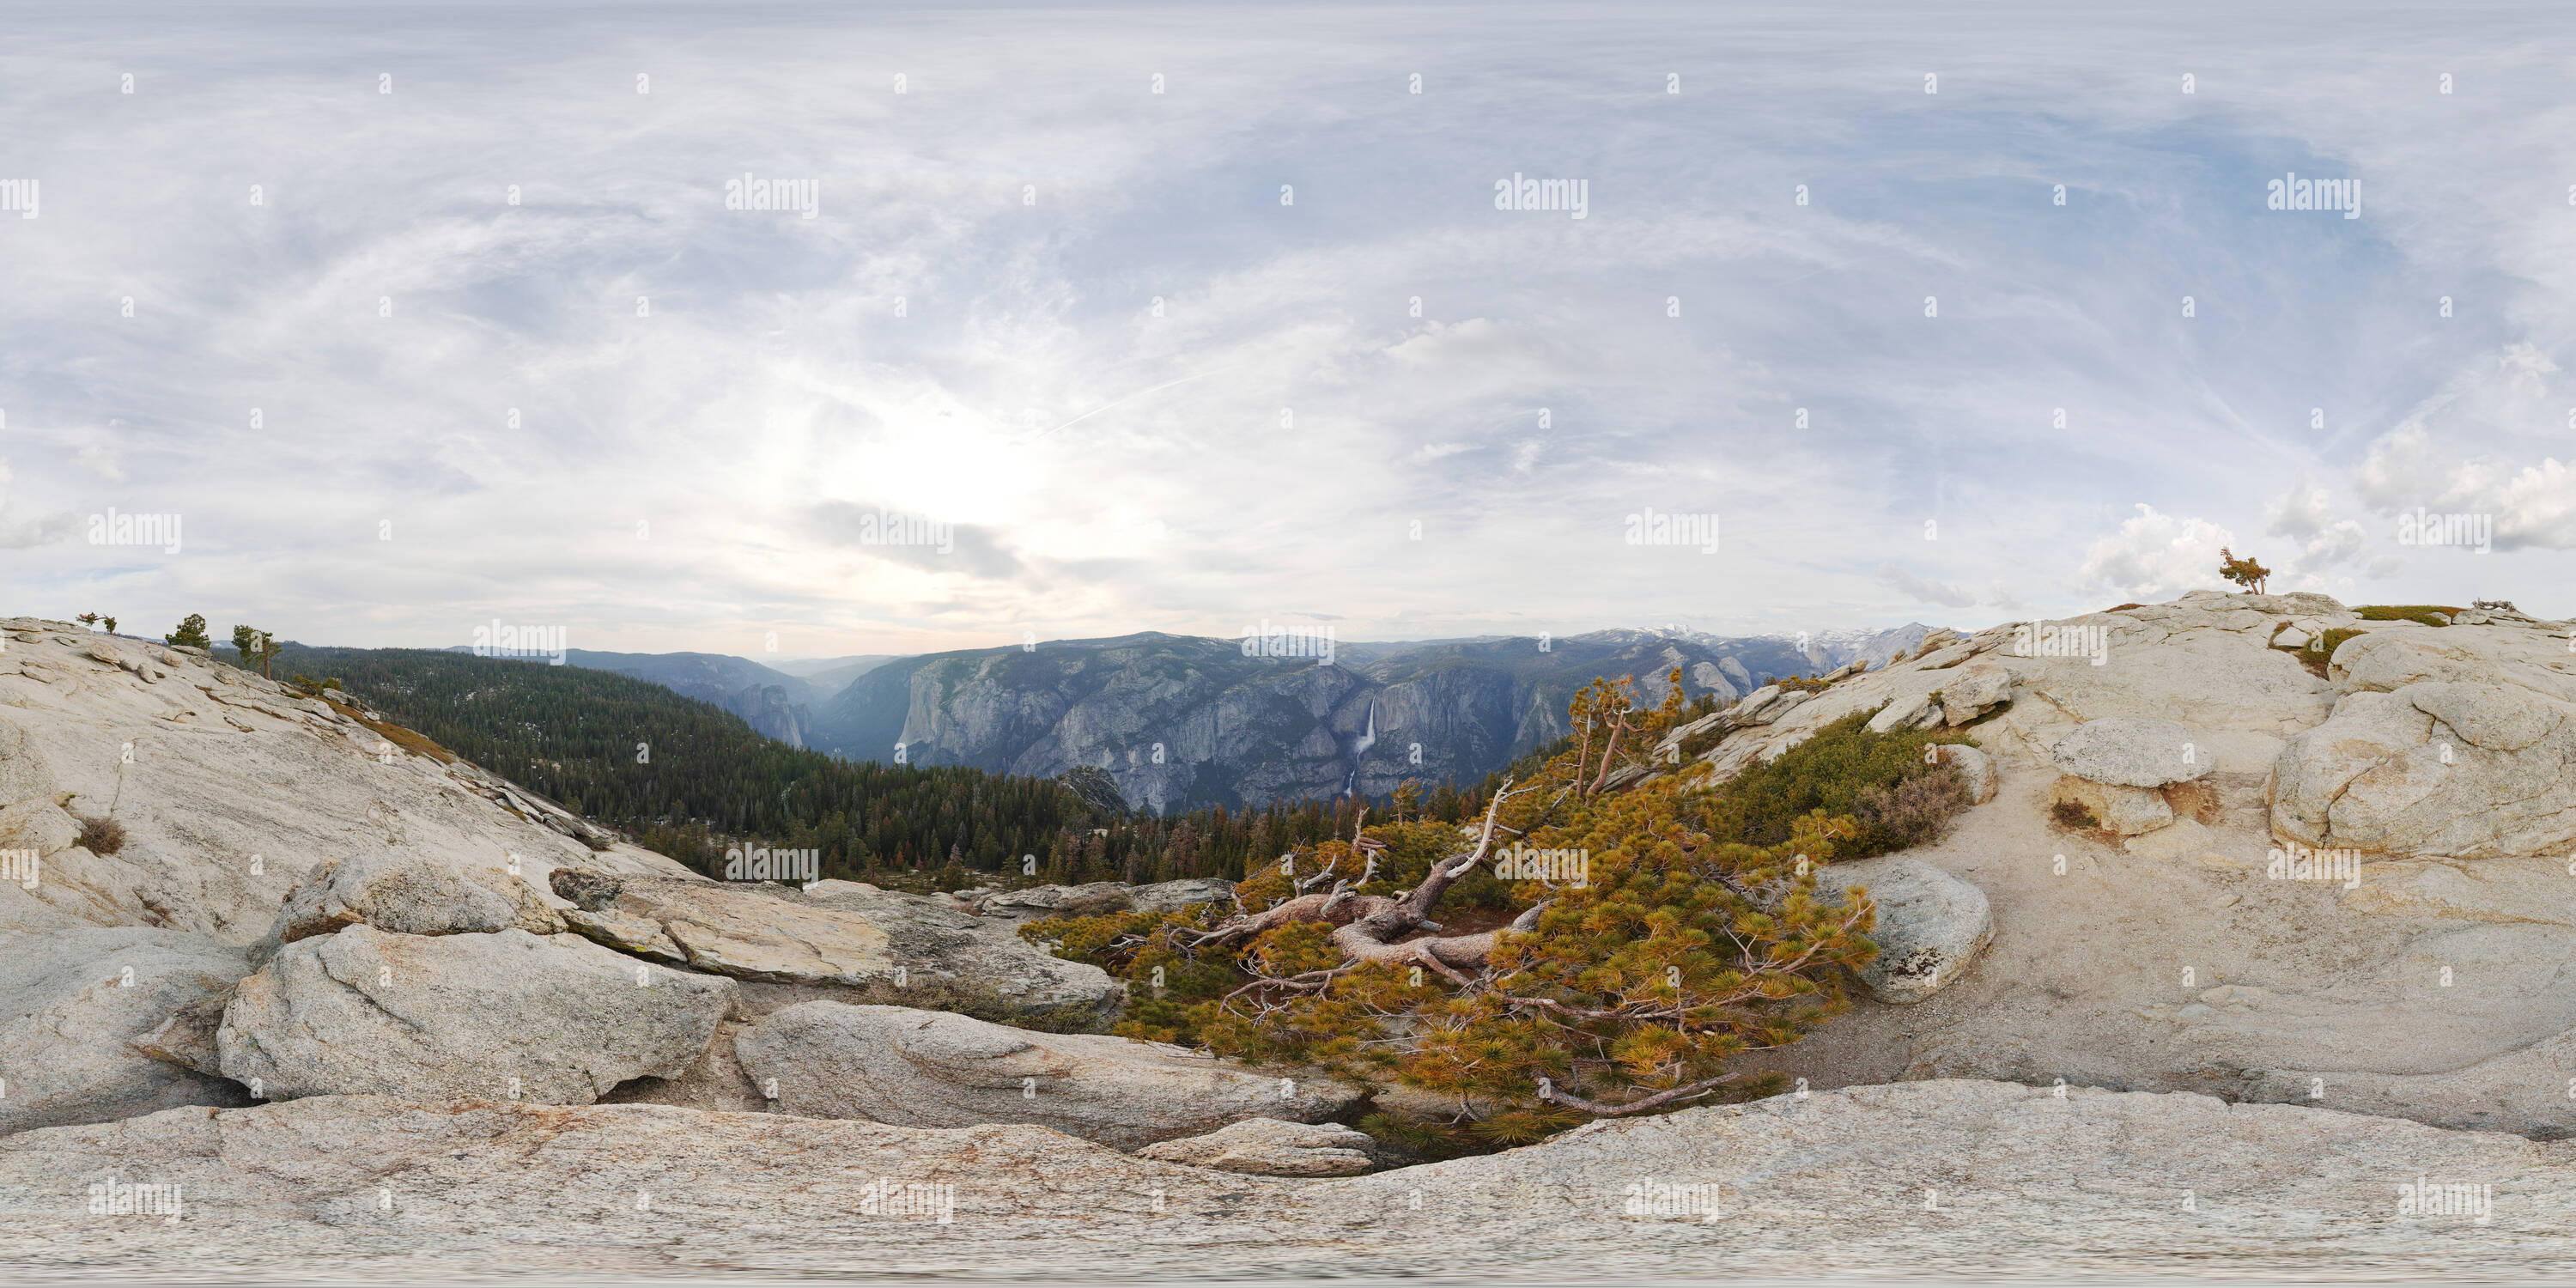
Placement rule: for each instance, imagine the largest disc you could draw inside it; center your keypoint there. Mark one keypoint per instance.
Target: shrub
(191, 633)
(2321, 646)
(1918, 810)
(2070, 814)
(2428, 614)
(1697, 744)
(1802, 683)
(1700, 931)
(103, 835)
(1827, 773)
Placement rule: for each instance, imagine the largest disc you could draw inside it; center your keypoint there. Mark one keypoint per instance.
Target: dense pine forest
(690, 780)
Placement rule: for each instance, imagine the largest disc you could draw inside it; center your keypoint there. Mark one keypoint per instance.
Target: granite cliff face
(1182, 721)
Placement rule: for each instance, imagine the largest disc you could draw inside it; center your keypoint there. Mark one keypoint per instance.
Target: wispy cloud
(1262, 344)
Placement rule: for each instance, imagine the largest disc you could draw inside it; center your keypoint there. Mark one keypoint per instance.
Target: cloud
(2533, 507)
(2156, 556)
(21, 533)
(101, 460)
(1088, 387)
(2306, 514)
(925, 542)
(1924, 591)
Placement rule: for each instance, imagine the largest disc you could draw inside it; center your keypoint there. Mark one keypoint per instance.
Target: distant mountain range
(830, 675)
(1185, 721)
(776, 701)
(1182, 721)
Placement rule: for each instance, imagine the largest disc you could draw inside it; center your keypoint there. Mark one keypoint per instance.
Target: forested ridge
(690, 780)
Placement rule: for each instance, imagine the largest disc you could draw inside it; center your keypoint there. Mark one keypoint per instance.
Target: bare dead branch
(1687, 1091)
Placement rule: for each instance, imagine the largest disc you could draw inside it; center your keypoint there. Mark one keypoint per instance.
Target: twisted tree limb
(1368, 926)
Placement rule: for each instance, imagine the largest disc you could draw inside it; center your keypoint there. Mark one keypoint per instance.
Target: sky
(1205, 318)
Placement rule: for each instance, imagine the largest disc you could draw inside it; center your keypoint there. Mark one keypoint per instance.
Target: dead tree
(1372, 927)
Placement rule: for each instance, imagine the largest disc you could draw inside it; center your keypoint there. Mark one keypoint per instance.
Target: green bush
(2321, 647)
(1832, 771)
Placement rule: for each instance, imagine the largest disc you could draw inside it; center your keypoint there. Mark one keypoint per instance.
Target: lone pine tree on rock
(2244, 572)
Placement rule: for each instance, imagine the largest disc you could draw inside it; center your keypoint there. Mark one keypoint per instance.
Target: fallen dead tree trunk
(1374, 927)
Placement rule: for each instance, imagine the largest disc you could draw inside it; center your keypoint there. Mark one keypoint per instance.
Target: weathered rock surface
(913, 1068)
(877, 945)
(2451, 742)
(2121, 811)
(1931, 925)
(407, 892)
(2133, 751)
(1910, 711)
(558, 1019)
(2022, 1183)
(1973, 691)
(24, 773)
(237, 788)
(72, 1004)
(1173, 896)
(1040, 902)
(1272, 1147)
(1975, 766)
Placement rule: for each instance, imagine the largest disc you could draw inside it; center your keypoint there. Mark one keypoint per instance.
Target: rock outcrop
(1040, 902)
(913, 1068)
(2454, 742)
(1931, 925)
(864, 943)
(230, 789)
(1976, 1179)
(1975, 766)
(553, 1020)
(408, 893)
(73, 1004)
(2312, 905)
(1273, 1147)
(2132, 751)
